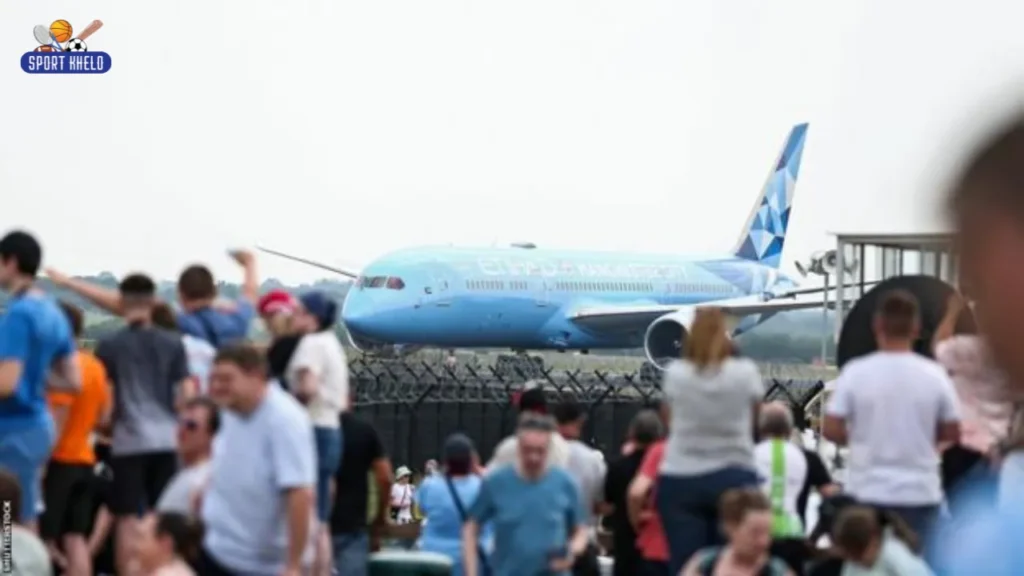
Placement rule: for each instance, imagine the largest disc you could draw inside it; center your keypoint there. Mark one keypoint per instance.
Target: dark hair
(735, 504)
(533, 400)
(213, 412)
(164, 316)
(458, 454)
(646, 427)
(247, 357)
(196, 283)
(857, 526)
(568, 412)
(10, 491)
(25, 249)
(75, 317)
(898, 314)
(185, 532)
(137, 285)
(992, 175)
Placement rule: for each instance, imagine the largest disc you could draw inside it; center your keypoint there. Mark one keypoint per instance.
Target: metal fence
(416, 405)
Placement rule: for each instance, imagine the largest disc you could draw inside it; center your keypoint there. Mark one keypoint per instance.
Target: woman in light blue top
(445, 498)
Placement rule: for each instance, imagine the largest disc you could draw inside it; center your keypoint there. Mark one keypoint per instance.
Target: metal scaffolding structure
(884, 256)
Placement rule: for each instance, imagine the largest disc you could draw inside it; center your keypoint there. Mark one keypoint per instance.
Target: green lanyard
(784, 525)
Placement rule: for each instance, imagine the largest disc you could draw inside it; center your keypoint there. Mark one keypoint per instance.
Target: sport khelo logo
(60, 51)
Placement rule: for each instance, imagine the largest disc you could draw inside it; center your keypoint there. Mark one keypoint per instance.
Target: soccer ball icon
(76, 45)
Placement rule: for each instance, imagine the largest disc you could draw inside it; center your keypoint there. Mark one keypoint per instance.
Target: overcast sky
(342, 130)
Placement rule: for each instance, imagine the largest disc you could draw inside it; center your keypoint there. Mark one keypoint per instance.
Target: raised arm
(106, 298)
(947, 327)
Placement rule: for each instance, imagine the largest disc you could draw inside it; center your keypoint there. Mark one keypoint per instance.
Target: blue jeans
(351, 553)
(24, 453)
(688, 506)
(328, 458)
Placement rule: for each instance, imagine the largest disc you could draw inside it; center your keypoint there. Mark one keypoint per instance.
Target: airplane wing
(640, 316)
(353, 274)
(819, 289)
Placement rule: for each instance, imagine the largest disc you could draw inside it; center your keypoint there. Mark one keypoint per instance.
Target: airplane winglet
(353, 274)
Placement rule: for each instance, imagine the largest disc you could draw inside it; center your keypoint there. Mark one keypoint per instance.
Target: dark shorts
(139, 480)
(68, 490)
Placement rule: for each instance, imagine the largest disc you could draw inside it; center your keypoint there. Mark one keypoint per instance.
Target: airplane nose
(356, 314)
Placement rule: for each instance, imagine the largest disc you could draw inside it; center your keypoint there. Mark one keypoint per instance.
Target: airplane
(527, 298)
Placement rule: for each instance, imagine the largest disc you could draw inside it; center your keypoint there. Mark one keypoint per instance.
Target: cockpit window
(395, 283)
(372, 281)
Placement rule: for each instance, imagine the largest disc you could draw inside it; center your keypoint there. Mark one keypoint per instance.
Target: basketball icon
(61, 30)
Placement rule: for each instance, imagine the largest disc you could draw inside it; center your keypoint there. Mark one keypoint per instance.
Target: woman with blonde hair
(712, 398)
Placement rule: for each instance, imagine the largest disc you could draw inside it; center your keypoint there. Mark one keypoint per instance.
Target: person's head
(138, 295)
(532, 400)
(238, 380)
(430, 467)
(858, 530)
(277, 309)
(458, 454)
(198, 422)
(20, 259)
(646, 428)
(196, 287)
(570, 417)
(533, 439)
(10, 494)
(164, 537)
(403, 475)
(76, 320)
(775, 420)
(897, 320)
(987, 205)
(164, 316)
(747, 520)
(708, 343)
(317, 312)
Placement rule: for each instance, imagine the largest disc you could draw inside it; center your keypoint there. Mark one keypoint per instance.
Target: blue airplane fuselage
(523, 297)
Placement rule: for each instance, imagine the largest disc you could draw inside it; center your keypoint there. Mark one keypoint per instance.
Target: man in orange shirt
(67, 486)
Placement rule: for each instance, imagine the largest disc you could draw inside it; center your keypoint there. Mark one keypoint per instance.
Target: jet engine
(825, 263)
(381, 350)
(666, 336)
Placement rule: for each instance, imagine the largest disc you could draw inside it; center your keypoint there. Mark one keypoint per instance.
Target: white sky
(342, 130)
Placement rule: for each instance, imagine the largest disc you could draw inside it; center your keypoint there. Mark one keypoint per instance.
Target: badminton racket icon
(43, 36)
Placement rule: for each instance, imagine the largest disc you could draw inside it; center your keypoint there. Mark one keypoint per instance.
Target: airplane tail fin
(764, 233)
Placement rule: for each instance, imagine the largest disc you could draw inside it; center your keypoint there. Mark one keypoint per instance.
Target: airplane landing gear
(519, 366)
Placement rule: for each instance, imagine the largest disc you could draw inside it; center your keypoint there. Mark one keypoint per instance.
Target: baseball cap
(320, 306)
(275, 302)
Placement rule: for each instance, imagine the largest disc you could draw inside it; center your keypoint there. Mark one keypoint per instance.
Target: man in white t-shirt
(531, 401)
(894, 408)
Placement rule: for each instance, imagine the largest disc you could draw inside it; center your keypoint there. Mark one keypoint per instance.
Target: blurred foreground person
(365, 458)
(445, 498)
(536, 510)
(870, 547)
(148, 368)
(277, 309)
(987, 204)
(197, 425)
(37, 351)
(587, 468)
(643, 514)
(894, 408)
(167, 542)
(644, 430)
(713, 398)
(69, 484)
(747, 522)
(258, 508)
(783, 468)
(531, 401)
(23, 551)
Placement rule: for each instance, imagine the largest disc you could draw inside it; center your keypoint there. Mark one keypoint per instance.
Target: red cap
(275, 302)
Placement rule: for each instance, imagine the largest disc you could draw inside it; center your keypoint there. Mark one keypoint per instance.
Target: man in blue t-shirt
(201, 315)
(36, 351)
(536, 511)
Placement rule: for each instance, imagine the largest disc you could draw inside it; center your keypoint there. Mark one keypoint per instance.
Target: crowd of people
(176, 447)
